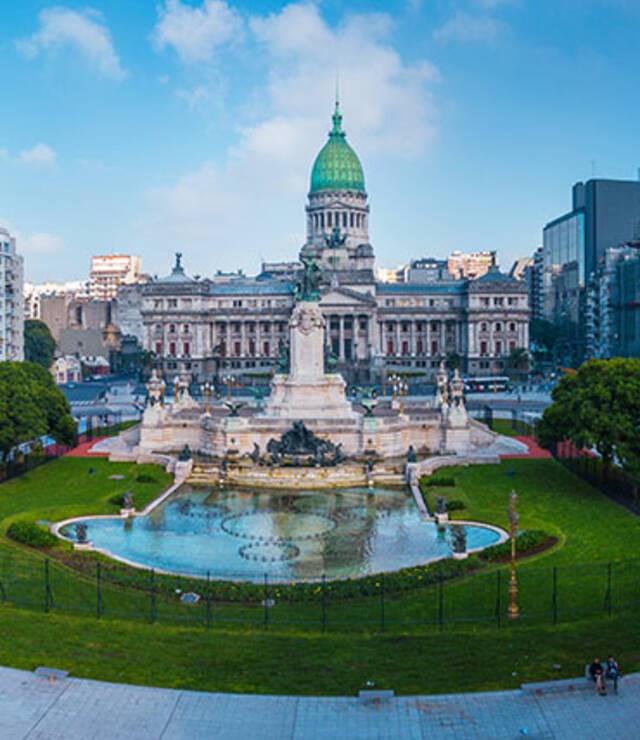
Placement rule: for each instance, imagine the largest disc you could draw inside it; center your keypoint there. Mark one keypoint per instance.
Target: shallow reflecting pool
(287, 535)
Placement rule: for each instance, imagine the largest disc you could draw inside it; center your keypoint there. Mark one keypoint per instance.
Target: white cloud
(195, 33)
(465, 28)
(40, 155)
(40, 243)
(242, 202)
(83, 31)
(4, 154)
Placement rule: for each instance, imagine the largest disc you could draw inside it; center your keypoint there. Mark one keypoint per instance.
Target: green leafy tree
(598, 406)
(31, 406)
(39, 344)
(518, 362)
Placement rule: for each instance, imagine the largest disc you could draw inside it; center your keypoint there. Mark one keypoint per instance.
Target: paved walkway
(84, 449)
(74, 709)
(535, 451)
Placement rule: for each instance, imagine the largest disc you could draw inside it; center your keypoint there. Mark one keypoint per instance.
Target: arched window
(172, 328)
(512, 326)
(498, 326)
(483, 326)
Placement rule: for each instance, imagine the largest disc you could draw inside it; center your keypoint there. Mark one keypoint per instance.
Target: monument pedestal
(323, 398)
(307, 392)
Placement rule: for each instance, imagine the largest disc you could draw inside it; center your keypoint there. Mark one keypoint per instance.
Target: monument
(308, 420)
(307, 392)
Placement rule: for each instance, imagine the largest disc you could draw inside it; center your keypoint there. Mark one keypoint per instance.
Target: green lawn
(292, 655)
(73, 486)
(259, 661)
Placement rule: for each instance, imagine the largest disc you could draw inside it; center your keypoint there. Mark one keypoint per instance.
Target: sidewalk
(76, 709)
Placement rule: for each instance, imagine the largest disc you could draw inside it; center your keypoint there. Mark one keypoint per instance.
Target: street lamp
(207, 392)
(514, 611)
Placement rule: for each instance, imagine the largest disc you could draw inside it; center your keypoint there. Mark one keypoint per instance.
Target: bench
(51, 674)
(564, 684)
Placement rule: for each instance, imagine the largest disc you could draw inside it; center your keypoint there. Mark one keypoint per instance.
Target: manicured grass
(291, 655)
(590, 527)
(258, 661)
(73, 486)
(504, 427)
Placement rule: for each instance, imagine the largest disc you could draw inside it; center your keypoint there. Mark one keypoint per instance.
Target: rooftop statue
(308, 288)
(335, 239)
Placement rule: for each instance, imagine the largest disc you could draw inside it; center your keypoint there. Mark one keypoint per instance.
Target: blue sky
(152, 126)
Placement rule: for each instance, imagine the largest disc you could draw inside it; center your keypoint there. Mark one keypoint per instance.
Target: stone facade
(204, 326)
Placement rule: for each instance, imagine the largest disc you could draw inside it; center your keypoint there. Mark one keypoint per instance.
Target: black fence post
(209, 605)
(47, 586)
(266, 600)
(498, 597)
(152, 596)
(98, 591)
(382, 602)
(554, 598)
(608, 599)
(323, 596)
(440, 599)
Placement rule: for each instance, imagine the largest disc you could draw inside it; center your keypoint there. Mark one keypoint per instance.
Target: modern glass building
(605, 213)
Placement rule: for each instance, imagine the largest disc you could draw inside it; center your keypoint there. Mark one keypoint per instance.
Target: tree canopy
(39, 344)
(31, 406)
(598, 406)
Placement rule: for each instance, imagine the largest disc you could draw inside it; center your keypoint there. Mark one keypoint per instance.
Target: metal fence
(608, 479)
(549, 595)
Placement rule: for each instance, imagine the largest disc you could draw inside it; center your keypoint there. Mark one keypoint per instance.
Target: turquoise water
(289, 535)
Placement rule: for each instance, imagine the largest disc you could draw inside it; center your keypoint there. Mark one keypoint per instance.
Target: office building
(11, 301)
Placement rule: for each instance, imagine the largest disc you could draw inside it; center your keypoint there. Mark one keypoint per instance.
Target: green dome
(337, 166)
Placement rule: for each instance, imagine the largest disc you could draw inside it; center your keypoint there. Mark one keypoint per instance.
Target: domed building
(234, 324)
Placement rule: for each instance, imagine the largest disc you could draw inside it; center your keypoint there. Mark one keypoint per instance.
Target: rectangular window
(186, 349)
(483, 348)
(172, 349)
(266, 349)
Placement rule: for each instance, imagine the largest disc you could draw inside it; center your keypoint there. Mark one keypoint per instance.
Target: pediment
(345, 297)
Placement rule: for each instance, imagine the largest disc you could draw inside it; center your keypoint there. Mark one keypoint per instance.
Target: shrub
(31, 534)
(527, 541)
(145, 478)
(456, 505)
(427, 482)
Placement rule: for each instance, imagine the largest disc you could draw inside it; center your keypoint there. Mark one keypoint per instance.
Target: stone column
(341, 337)
(398, 344)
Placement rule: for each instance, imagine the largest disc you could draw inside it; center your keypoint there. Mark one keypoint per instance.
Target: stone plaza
(31, 708)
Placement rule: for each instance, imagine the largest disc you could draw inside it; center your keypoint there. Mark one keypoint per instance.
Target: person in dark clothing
(596, 671)
(612, 671)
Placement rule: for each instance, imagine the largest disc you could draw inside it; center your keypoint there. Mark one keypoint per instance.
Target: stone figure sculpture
(185, 454)
(81, 532)
(411, 455)
(457, 389)
(335, 239)
(127, 500)
(308, 288)
(459, 538)
(301, 445)
(441, 505)
(284, 357)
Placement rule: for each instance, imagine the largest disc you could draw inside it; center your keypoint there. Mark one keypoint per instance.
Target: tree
(598, 406)
(518, 362)
(39, 345)
(31, 406)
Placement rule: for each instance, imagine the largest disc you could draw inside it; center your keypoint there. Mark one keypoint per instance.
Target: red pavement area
(535, 451)
(82, 450)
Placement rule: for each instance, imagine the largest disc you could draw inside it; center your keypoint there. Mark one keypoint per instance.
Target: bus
(488, 384)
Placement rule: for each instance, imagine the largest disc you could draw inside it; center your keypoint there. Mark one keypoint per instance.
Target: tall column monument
(306, 392)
